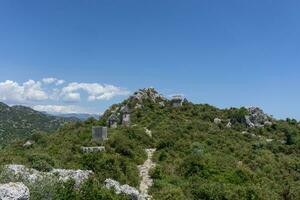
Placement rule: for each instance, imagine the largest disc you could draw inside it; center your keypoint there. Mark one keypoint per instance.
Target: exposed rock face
(257, 118)
(33, 175)
(147, 94)
(14, 191)
(92, 149)
(125, 189)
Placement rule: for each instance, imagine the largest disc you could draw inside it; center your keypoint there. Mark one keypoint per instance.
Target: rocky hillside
(184, 150)
(18, 122)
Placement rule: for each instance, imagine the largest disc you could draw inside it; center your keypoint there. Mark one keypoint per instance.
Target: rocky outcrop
(14, 191)
(124, 189)
(79, 176)
(92, 149)
(257, 118)
(147, 94)
(32, 175)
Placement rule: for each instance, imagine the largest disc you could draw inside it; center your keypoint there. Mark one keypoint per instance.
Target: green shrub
(41, 162)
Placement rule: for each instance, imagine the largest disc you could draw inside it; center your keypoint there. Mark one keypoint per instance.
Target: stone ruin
(99, 133)
(125, 116)
(92, 149)
(113, 121)
(177, 101)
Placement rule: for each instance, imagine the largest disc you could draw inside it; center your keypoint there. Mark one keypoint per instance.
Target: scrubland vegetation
(195, 158)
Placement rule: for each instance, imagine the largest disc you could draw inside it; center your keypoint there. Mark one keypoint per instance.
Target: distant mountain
(17, 122)
(80, 116)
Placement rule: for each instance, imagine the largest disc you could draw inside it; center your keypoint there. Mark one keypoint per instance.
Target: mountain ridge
(18, 122)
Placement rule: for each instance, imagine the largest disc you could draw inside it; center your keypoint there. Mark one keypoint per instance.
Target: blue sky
(225, 53)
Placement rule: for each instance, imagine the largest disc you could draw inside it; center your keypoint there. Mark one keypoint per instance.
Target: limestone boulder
(122, 189)
(14, 191)
(32, 175)
(217, 121)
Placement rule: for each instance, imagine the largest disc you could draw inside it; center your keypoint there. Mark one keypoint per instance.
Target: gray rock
(79, 176)
(147, 94)
(257, 118)
(29, 143)
(14, 191)
(244, 133)
(228, 125)
(124, 189)
(138, 106)
(162, 104)
(32, 175)
(217, 121)
(148, 132)
(268, 123)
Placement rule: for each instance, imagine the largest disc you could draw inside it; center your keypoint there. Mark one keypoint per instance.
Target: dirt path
(144, 169)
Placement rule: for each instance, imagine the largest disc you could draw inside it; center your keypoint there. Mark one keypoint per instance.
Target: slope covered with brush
(19, 122)
(202, 152)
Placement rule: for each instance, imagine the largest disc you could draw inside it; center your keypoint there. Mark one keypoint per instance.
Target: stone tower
(177, 101)
(125, 116)
(99, 133)
(113, 121)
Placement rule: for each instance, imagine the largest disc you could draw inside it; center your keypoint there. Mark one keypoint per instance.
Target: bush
(170, 193)
(41, 162)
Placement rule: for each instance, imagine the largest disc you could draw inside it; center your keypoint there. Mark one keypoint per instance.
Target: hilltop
(202, 152)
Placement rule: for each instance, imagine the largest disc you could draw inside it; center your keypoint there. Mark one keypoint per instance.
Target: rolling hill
(202, 152)
(19, 122)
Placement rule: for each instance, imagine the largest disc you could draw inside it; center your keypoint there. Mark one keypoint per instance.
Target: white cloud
(31, 90)
(95, 91)
(60, 82)
(28, 91)
(60, 109)
(72, 97)
(52, 80)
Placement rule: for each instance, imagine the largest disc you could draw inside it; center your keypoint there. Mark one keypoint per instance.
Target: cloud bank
(51, 94)
(61, 109)
(28, 91)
